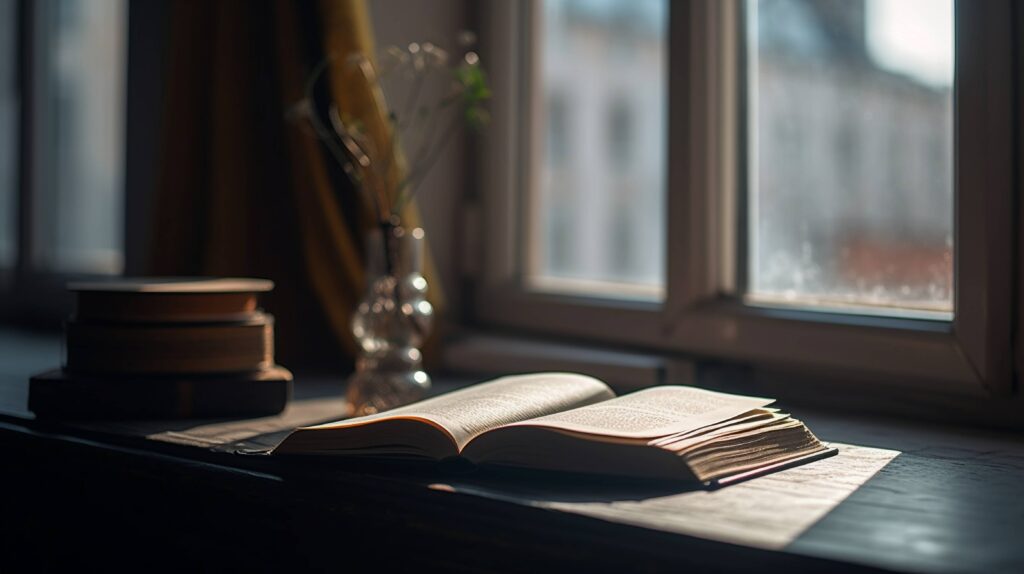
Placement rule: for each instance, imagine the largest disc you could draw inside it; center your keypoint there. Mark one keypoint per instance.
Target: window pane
(598, 148)
(851, 153)
(8, 131)
(80, 216)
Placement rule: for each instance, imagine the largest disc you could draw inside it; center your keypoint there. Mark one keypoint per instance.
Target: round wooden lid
(174, 285)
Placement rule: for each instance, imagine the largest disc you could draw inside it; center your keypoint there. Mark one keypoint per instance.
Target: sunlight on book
(574, 423)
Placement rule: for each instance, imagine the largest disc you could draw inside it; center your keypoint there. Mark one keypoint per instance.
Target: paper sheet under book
(224, 434)
(297, 413)
(767, 512)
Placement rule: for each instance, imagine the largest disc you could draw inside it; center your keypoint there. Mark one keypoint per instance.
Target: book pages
(654, 412)
(747, 417)
(473, 410)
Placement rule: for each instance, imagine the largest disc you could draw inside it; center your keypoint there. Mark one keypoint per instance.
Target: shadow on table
(545, 487)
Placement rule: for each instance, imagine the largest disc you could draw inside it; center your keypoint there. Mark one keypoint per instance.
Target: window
(829, 183)
(600, 186)
(63, 70)
(80, 76)
(8, 132)
(850, 154)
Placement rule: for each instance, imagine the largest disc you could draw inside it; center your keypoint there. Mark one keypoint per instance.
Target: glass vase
(390, 324)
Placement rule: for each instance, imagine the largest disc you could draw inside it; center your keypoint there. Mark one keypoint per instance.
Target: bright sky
(913, 37)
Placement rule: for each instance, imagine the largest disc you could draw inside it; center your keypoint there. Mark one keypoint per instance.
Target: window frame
(701, 316)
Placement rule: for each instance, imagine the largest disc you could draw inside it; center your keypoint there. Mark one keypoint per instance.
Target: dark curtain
(244, 191)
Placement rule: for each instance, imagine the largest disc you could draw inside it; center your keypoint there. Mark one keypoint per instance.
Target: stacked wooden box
(166, 348)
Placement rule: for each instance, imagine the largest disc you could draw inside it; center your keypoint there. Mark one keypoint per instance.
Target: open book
(574, 423)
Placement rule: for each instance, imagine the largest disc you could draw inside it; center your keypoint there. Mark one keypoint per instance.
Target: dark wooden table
(154, 496)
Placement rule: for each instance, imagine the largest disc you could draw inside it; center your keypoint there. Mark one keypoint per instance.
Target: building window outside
(598, 206)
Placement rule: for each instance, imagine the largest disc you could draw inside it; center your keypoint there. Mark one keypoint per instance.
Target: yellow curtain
(244, 191)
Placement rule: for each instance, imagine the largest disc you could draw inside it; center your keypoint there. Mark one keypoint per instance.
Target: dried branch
(369, 163)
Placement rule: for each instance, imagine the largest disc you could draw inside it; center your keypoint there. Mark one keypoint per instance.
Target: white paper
(767, 512)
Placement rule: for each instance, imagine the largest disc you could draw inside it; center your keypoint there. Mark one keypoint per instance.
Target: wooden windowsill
(947, 501)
